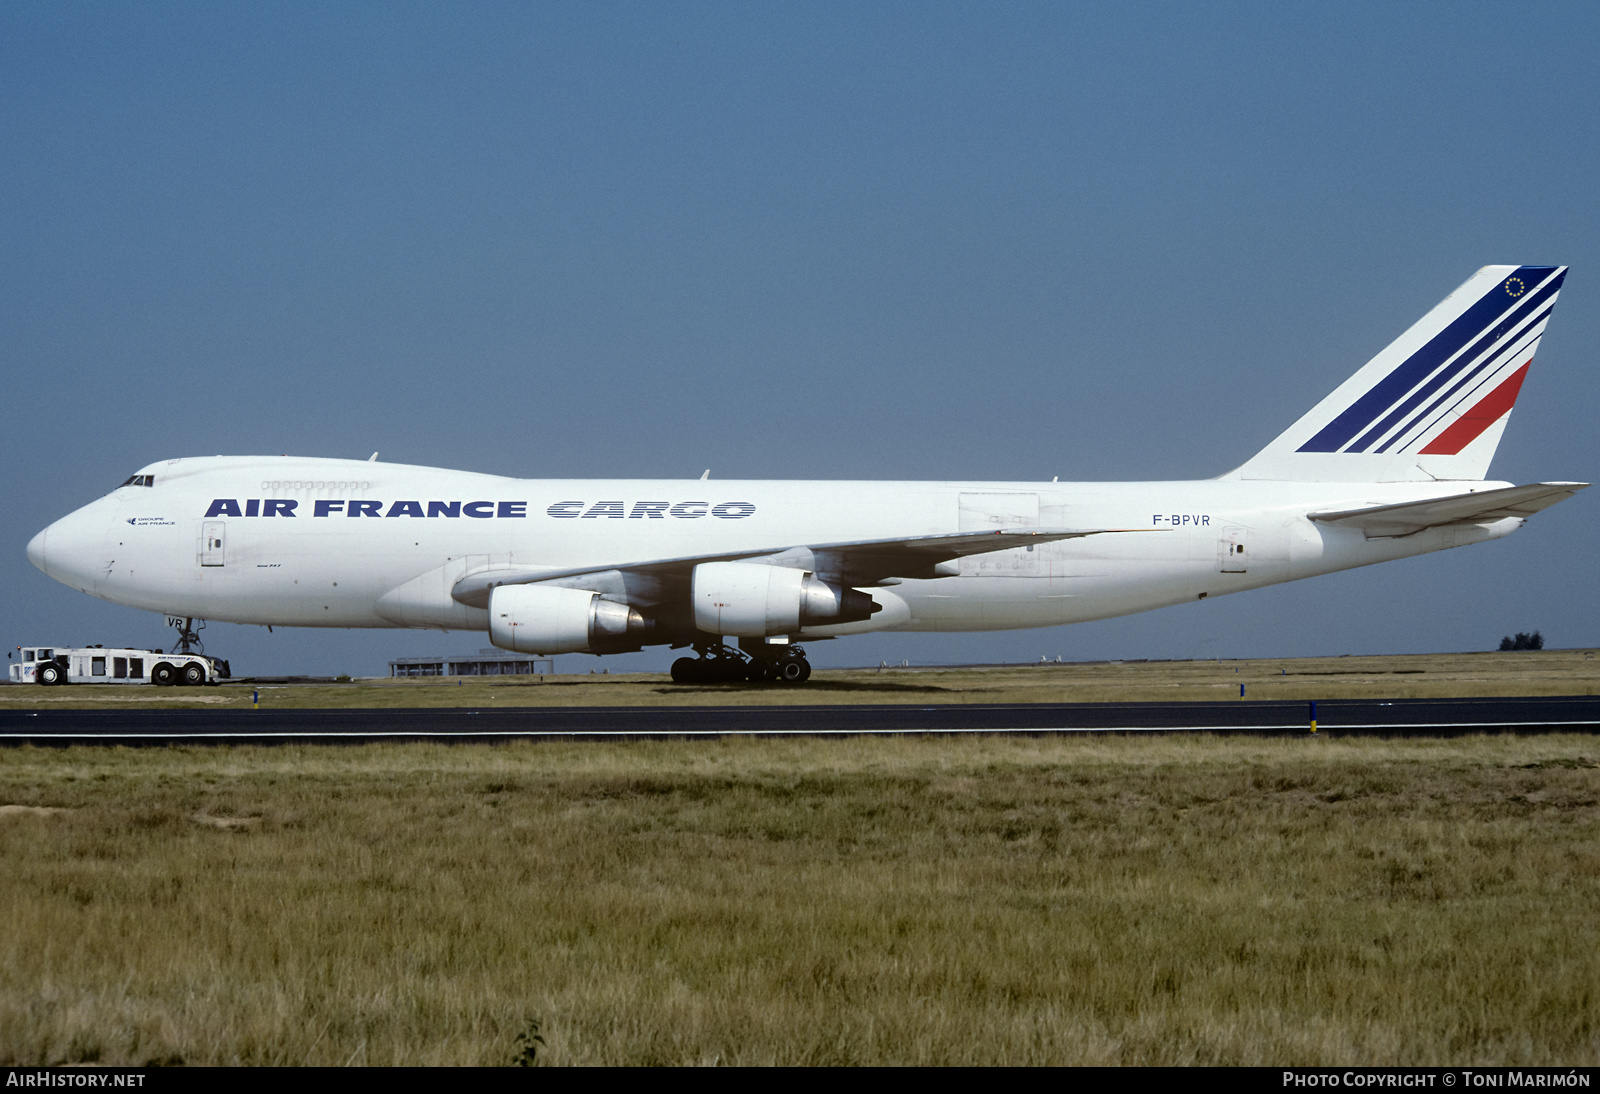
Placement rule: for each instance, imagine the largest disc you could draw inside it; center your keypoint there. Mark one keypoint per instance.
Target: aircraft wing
(1482, 507)
(854, 562)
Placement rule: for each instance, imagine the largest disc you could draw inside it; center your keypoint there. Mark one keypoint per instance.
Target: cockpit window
(140, 480)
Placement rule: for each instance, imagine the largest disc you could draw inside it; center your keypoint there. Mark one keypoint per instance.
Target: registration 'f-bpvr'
(1391, 464)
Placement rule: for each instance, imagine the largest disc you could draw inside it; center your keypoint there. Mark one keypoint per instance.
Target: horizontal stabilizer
(859, 562)
(1481, 507)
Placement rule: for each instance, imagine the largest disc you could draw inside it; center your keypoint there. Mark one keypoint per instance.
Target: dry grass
(1052, 900)
(1430, 676)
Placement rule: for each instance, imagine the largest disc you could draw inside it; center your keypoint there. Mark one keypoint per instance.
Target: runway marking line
(337, 734)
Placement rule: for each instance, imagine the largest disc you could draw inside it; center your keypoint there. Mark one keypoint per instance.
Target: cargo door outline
(993, 512)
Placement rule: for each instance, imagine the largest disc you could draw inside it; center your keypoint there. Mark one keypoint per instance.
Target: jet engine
(754, 601)
(547, 619)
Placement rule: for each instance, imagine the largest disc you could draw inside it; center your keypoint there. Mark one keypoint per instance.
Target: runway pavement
(1400, 717)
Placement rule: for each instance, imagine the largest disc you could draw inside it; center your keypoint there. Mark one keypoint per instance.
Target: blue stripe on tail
(1364, 412)
(1445, 375)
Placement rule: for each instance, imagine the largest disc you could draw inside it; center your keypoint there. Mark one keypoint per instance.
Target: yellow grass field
(1546, 672)
(1160, 900)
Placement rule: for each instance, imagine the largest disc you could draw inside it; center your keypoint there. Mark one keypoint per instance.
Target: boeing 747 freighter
(1391, 464)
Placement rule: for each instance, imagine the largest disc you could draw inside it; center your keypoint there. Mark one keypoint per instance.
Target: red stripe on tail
(1470, 426)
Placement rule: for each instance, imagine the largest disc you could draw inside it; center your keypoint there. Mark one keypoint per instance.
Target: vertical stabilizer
(1433, 404)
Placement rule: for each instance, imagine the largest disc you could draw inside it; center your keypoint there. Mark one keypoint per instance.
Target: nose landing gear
(188, 644)
(188, 635)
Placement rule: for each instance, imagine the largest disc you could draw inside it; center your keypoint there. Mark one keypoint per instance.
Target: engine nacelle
(755, 601)
(546, 619)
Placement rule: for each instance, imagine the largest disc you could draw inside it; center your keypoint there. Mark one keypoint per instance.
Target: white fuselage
(338, 543)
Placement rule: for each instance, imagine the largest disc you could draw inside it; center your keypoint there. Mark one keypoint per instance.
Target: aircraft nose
(73, 549)
(36, 550)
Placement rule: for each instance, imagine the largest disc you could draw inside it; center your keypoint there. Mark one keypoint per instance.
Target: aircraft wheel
(759, 671)
(685, 670)
(49, 675)
(194, 674)
(163, 675)
(794, 670)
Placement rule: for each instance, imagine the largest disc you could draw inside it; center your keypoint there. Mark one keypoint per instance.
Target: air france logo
(330, 507)
(481, 510)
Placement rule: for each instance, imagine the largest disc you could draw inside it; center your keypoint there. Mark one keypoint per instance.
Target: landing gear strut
(720, 664)
(165, 675)
(187, 635)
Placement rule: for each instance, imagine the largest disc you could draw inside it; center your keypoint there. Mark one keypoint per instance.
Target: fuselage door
(211, 542)
(1231, 558)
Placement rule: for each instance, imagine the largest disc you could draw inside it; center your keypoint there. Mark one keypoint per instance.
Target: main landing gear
(719, 664)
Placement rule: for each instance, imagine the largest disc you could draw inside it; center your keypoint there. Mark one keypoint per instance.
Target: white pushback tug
(53, 666)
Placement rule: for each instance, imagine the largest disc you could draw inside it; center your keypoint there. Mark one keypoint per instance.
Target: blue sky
(927, 241)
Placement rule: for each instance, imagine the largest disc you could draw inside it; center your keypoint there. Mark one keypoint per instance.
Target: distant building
(486, 662)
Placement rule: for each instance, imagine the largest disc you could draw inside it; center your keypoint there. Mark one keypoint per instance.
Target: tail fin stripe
(1473, 380)
(1420, 428)
(1467, 428)
(1445, 375)
(1443, 346)
(1432, 405)
(1382, 396)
